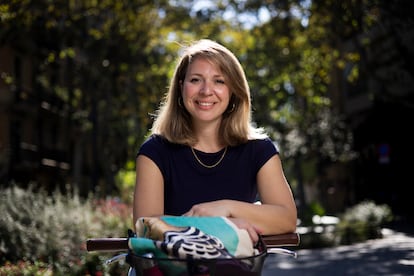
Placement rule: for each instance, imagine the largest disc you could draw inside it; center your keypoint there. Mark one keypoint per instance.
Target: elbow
(291, 223)
(286, 223)
(291, 226)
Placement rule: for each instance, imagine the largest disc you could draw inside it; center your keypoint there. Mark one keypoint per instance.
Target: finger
(253, 235)
(258, 230)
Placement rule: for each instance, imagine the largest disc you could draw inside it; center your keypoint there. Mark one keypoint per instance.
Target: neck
(208, 139)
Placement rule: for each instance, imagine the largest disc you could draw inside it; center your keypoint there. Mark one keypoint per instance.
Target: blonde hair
(173, 121)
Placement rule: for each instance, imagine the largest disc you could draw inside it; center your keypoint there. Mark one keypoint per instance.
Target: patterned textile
(191, 238)
(193, 246)
(192, 243)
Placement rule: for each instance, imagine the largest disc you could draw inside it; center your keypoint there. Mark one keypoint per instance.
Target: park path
(392, 255)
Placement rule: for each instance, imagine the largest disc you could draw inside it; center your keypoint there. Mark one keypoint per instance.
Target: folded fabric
(191, 238)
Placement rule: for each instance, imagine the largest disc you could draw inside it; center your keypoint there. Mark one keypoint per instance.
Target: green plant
(26, 268)
(125, 182)
(363, 221)
(39, 228)
(312, 209)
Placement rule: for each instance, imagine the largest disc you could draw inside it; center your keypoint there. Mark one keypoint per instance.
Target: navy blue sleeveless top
(187, 182)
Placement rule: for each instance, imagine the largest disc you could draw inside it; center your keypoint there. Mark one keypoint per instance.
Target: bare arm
(149, 189)
(277, 213)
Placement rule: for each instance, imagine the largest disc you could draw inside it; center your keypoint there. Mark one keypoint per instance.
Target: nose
(206, 88)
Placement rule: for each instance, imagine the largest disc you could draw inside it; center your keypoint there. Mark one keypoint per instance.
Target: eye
(220, 81)
(194, 80)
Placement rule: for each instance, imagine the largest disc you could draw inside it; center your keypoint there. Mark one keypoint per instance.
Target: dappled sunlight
(391, 255)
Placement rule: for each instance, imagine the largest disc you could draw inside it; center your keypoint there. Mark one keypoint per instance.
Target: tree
(103, 60)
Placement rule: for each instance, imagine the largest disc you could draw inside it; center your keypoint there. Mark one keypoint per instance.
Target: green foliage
(42, 229)
(368, 211)
(312, 209)
(26, 268)
(125, 182)
(357, 224)
(363, 221)
(114, 60)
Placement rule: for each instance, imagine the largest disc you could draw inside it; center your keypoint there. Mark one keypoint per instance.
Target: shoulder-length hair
(173, 121)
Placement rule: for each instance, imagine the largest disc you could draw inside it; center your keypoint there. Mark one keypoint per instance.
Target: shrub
(363, 221)
(38, 228)
(25, 268)
(125, 182)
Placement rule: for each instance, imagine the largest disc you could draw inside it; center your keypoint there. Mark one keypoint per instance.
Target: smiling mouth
(204, 103)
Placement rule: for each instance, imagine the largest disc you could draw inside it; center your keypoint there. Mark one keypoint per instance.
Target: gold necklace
(208, 166)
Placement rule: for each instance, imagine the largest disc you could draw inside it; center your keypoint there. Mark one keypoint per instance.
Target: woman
(205, 158)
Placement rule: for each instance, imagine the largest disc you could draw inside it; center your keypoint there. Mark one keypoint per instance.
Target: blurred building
(380, 110)
(34, 133)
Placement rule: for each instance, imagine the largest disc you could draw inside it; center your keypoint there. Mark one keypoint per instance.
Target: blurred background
(331, 81)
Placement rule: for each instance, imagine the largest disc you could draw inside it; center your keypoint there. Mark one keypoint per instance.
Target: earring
(233, 106)
(180, 103)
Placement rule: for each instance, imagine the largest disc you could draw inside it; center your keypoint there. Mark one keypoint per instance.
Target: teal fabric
(141, 246)
(201, 238)
(215, 226)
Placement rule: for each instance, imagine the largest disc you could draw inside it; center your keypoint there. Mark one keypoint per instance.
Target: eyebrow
(199, 74)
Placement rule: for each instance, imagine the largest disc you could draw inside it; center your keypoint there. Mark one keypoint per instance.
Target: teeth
(205, 104)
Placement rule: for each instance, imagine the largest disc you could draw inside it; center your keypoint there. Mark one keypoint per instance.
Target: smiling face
(204, 91)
